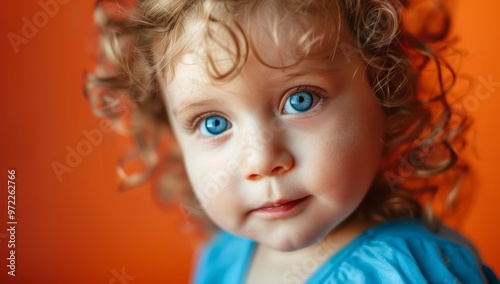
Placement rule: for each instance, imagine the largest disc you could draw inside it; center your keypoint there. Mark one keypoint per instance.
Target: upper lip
(279, 202)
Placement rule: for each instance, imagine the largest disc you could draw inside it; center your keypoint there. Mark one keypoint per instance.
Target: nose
(263, 157)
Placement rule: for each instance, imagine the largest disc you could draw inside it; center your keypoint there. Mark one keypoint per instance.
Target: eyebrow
(301, 73)
(307, 67)
(193, 105)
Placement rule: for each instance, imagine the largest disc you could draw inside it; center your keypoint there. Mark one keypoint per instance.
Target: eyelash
(193, 124)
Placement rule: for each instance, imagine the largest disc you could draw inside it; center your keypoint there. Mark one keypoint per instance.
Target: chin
(292, 241)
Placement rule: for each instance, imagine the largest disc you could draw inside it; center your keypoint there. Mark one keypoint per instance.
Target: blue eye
(214, 125)
(298, 102)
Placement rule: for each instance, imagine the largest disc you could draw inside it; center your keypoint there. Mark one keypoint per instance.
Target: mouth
(282, 208)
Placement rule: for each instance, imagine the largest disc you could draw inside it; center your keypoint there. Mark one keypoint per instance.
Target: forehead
(190, 71)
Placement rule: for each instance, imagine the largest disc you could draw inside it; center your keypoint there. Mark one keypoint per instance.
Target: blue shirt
(390, 252)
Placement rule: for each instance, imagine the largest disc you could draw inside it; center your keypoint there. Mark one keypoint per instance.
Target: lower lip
(285, 210)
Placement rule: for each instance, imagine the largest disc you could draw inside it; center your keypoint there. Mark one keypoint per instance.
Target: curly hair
(404, 45)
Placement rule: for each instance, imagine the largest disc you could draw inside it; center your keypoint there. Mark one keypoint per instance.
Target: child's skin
(327, 150)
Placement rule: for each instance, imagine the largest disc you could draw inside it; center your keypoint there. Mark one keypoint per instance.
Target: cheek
(206, 175)
(346, 157)
(212, 177)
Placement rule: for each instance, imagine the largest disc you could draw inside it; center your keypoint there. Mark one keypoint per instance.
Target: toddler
(316, 135)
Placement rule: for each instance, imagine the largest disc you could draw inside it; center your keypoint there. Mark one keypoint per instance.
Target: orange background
(82, 230)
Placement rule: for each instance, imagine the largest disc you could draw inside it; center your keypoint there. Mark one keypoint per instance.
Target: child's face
(311, 134)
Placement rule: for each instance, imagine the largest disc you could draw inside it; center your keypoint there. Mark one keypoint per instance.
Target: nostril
(253, 176)
(277, 170)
